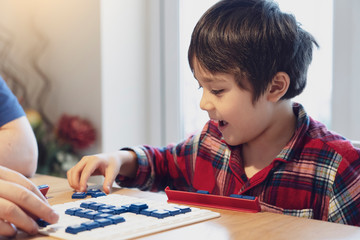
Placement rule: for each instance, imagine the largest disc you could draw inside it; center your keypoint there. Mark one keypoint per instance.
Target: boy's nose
(205, 104)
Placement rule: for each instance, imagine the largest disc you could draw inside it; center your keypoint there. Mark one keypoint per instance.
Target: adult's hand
(20, 204)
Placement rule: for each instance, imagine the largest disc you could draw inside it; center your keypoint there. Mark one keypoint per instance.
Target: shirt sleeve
(344, 206)
(160, 167)
(10, 108)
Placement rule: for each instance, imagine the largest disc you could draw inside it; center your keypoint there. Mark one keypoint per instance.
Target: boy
(250, 59)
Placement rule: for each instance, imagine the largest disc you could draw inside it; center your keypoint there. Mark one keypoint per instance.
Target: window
(193, 117)
(318, 23)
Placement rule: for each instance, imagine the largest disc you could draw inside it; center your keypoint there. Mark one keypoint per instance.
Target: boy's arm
(18, 149)
(161, 167)
(344, 206)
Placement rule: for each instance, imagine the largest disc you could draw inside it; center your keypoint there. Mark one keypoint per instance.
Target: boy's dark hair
(253, 40)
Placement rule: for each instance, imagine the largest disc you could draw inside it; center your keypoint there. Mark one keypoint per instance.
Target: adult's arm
(18, 148)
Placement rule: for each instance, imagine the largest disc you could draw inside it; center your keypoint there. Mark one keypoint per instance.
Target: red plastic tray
(214, 201)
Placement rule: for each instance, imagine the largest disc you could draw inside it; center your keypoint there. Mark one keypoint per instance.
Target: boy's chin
(231, 142)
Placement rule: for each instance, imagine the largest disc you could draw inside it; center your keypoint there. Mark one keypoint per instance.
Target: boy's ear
(278, 86)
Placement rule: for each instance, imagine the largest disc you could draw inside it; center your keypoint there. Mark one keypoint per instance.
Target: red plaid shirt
(316, 175)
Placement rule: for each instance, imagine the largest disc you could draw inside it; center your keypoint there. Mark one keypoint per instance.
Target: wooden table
(231, 224)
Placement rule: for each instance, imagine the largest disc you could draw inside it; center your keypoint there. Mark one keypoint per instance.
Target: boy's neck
(260, 153)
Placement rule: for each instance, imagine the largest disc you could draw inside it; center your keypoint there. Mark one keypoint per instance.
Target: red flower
(77, 132)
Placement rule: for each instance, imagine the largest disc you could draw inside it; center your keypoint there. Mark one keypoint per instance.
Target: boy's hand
(20, 203)
(106, 164)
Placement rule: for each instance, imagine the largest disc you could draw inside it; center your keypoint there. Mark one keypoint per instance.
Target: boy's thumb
(110, 176)
(107, 185)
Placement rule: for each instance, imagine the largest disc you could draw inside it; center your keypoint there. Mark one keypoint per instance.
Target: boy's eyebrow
(209, 80)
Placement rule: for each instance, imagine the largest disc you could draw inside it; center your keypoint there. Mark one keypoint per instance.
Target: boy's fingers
(75, 173)
(88, 170)
(109, 180)
(73, 176)
(110, 174)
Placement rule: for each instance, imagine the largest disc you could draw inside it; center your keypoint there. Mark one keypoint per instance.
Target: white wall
(124, 78)
(96, 56)
(69, 33)
(140, 73)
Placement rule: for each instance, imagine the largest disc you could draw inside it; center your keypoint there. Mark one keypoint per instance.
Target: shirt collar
(296, 143)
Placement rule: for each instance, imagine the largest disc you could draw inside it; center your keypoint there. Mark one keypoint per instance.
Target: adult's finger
(15, 177)
(13, 214)
(7, 229)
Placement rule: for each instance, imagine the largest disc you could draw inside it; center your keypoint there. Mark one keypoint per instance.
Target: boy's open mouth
(222, 123)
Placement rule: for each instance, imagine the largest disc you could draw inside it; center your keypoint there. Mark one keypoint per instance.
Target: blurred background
(98, 75)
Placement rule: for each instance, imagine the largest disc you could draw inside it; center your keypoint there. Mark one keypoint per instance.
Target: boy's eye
(217, 92)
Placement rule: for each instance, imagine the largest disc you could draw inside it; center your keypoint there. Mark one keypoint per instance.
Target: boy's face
(240, 120)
